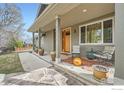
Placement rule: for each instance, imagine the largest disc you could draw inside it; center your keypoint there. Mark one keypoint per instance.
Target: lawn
(10, 63)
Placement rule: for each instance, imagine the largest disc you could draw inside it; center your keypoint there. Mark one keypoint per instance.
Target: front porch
(90, 27)
(62, 30)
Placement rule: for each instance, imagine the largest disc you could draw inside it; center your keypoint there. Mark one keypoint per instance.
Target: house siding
(75, 36)
(48, 41)
(83, 48)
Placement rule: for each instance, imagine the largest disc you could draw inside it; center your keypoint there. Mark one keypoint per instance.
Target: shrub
(12, 44)
(19, 44)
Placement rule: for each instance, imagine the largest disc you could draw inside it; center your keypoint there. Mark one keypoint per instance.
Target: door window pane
(107, 31)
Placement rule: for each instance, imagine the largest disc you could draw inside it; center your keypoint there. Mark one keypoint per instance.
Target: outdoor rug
(86, 62)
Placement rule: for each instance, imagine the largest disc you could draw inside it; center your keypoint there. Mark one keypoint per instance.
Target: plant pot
(36, 50)
(53, 55)
(41, 52)
(100, 72)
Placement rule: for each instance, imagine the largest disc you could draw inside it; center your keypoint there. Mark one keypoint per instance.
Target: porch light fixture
(74, 30)
(44, 34)
(84, 10)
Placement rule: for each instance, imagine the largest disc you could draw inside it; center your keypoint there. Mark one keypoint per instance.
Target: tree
(11, 21)
(10, 17)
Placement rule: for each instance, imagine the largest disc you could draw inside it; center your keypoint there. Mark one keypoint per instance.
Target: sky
(29, 12)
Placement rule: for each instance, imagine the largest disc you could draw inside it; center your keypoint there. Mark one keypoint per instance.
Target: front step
(69, 72)
(75, 75)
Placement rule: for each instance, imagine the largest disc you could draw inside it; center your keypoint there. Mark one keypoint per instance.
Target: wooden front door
(66, 40)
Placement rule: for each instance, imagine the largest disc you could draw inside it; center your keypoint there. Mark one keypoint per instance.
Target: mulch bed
(87, 62)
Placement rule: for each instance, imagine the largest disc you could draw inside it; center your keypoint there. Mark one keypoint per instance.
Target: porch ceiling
(49, 15)
(71, 14)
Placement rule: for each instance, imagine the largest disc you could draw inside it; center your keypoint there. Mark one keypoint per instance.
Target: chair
(106, 54)
(76, 50)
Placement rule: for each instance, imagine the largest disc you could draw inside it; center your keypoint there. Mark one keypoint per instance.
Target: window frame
(90, 23)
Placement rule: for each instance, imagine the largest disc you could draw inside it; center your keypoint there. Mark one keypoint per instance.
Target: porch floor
(82, 74)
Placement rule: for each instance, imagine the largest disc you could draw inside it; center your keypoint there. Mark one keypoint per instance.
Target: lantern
(77, 61)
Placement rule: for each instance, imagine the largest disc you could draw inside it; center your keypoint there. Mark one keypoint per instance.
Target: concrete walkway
(31, 62)
(2, 76)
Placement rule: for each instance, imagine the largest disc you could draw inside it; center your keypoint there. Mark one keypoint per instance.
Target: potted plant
(100, 72)
(36, 50)
(41, 51)
(53, 55)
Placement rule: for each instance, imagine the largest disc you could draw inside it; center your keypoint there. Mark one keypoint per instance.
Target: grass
(10, 63)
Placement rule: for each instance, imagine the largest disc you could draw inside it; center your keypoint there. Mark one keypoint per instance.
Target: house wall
(47, 41)
(75, 36)
(36, 43)
(119, 37)
(83, 48)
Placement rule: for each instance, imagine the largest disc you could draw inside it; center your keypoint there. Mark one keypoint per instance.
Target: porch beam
(39, 38)
(58, 36)
(33, 41)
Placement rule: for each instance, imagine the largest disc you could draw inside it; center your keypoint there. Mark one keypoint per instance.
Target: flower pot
(36, 50)
(100, 72)
(53, 55)
(41, 52)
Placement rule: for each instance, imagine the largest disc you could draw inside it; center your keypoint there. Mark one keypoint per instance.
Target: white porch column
(33, 41)
(58, 36)
(39, 38)
(119, 43)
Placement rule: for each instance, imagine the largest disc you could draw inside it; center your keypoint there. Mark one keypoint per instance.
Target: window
(94, 33)
(83, 34)
(97, 33)
(107, 30)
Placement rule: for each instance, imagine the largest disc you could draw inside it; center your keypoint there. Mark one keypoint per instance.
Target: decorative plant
(12, 44)
(36, 49)
(19, 44)
(41, 51)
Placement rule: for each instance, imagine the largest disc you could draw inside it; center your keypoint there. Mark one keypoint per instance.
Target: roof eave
(32, 29)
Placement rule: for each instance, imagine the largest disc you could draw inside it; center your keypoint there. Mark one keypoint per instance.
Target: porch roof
(70, 14)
